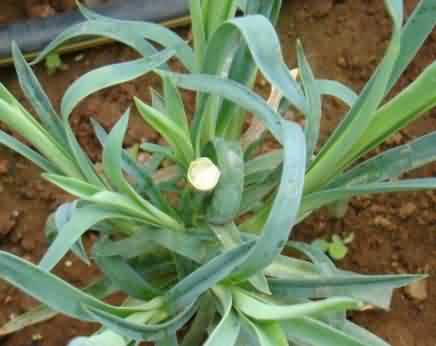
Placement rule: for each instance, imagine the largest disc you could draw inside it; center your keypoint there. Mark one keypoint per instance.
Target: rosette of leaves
(214, 266)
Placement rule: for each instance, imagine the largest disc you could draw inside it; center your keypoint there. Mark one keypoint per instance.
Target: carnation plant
(197, 238)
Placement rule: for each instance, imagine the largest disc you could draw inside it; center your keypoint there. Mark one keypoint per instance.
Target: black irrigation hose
(35, 34)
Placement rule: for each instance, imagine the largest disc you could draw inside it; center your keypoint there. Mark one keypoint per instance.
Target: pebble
(36, 337)
(417, 290)
(79, 57)
(395, 139)
(407, 210)
(383, 222)
(321, 8)
(4, 167)
(342, 62)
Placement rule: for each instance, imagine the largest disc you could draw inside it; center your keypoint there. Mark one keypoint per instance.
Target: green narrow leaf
(144, 183)
(228, 55)
(314, 332)
(99, 289)
(414, 101)
(216, 13)
(227, 330)
(106, 199)
(285, 207)
(316, 200)
(28, 153)
(73, 186)
(137, 331)
(325, 265)
(150, 31)
(106, 338)
(266, 333)
(158, 101)
(203, 319)
(173, 134)
(262, 166)
(419, 25)
(313, 96)
(243, 70)
(137, 244)
(232, 91)
(40, 284)
(254, 196)
(108, 76)
(228, 193)
(112, 161)
(82, 160)
(61, 216)
(230, 238)
(114, 31)
(81, 221)
(362, 334)
(206, 276)
(264, 45)
(338, 90)
(192, 245)
(60, 131)
(19, 120)
(174, 105)
(198, 32)
(39, 314)
(373, 289)
(35, 94)
(391, 163)
(160, 149)
(125, 277)
(263, 311)
(285, 267)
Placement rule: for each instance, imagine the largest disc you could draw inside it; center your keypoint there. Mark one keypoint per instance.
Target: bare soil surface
(394, 233)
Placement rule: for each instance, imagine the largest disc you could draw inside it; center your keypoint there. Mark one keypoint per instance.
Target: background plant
(190, 260)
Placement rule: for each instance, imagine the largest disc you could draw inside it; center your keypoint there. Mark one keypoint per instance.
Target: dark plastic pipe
(34, 34)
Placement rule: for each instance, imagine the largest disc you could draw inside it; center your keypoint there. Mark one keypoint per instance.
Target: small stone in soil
(4, 167)
(36, 337)
(79, 57)
(407, 209)
(396, 139)
(342, 62)
(383, 222)
(417, 290)
(321, 8)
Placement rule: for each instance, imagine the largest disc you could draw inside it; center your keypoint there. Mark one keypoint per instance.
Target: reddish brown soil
(393, 233)
(13, 10)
